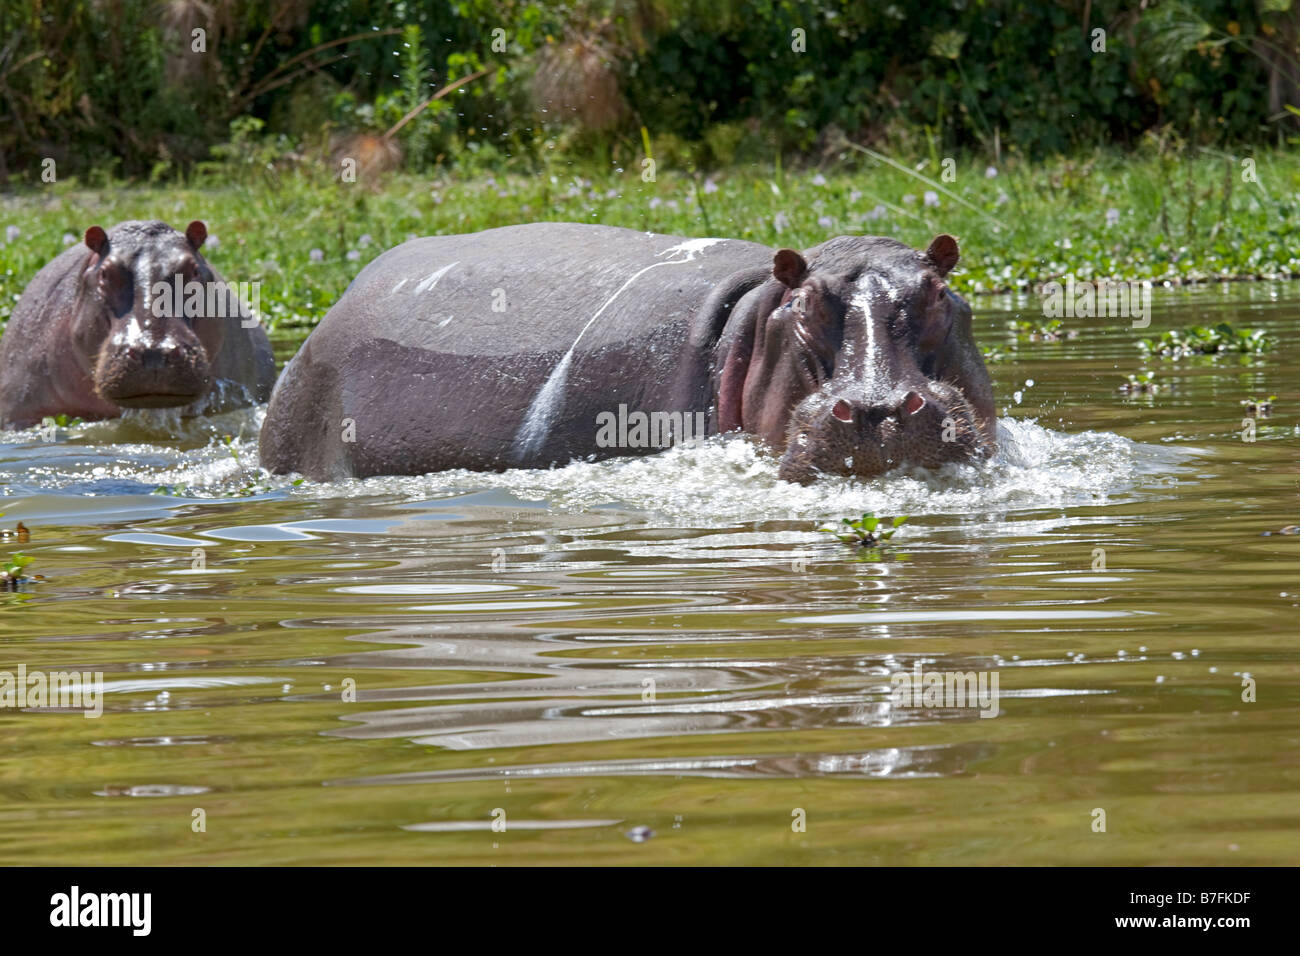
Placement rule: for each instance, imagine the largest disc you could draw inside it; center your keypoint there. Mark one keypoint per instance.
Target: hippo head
(142, 349)
(857, 359)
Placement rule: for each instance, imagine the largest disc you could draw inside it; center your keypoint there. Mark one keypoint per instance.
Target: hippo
(99, 330)
(532, 345)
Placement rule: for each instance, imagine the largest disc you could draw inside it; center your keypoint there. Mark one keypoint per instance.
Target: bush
(93, 83)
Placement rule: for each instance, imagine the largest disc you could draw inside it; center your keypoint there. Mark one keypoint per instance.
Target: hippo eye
(799, 302)
(115, 286)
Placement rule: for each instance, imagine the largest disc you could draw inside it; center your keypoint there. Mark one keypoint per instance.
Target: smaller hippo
(136, 318)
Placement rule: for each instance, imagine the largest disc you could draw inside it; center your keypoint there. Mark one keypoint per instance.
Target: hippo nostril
(912, 403)
(843, 411)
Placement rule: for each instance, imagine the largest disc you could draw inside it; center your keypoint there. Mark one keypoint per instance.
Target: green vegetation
(11, 576)
(1143, 383)
(303, 235)
(864, 532)
(312, 135)
(1259, 407)
(130, 89)
(1207, 340)
(1040, 330)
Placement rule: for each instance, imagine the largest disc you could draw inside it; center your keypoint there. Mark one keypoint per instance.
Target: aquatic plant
(62, 420)
(864, 532)
(1143, 383)
(1207, 340)
(1041, 330)
(1259, 407)
(12, 574)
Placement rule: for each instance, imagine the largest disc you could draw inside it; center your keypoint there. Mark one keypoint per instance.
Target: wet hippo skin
(504, 348)
(89, 337)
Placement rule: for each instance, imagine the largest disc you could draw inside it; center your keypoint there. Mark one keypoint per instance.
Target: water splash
(541, 414)
(728, 479)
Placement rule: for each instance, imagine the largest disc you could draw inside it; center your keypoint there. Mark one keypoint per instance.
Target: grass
(304, 236)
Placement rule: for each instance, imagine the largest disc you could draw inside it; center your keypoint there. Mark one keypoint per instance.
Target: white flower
(212, 241)
(909, 199)
(655, 202)
(353, 255)
(780, 221)
(990, 172)
(826, 222)
(12, 233)
(855, 196)
(931, 198)
(316, 256)
(710, 186)
(878, 213)
(69, 238)
(1112, 216)
(365, 240)
(819, 180)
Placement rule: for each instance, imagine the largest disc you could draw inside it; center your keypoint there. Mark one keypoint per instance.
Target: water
(660, 660)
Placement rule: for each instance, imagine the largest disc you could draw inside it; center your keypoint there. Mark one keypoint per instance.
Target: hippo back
(499, 349)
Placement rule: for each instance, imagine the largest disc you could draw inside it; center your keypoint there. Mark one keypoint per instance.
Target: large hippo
(99, 330)
(520, 346)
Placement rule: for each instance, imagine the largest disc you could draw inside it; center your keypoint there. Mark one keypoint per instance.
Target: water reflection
(357, 672)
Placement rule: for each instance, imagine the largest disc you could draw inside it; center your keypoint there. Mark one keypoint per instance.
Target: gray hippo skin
(85, 340)
(503, 349)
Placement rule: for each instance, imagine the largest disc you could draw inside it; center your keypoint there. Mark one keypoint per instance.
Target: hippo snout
(165, 374)
(847, 435)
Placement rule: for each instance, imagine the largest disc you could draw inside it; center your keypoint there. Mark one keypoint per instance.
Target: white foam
(691, 247)
(731, 479)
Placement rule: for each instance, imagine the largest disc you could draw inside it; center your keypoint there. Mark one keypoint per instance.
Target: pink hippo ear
(943, 252)
(789, 268)
(97, 240)
(196, 233)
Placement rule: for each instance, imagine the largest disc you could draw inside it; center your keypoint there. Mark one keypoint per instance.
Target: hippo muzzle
(836, 432)
(168, 373)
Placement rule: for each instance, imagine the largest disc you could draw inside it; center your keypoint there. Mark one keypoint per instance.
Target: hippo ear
(789, 268)
(943, 253)
(196, 233)
(97, 240)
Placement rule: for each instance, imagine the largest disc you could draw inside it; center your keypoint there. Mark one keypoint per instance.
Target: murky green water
(667, 642)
